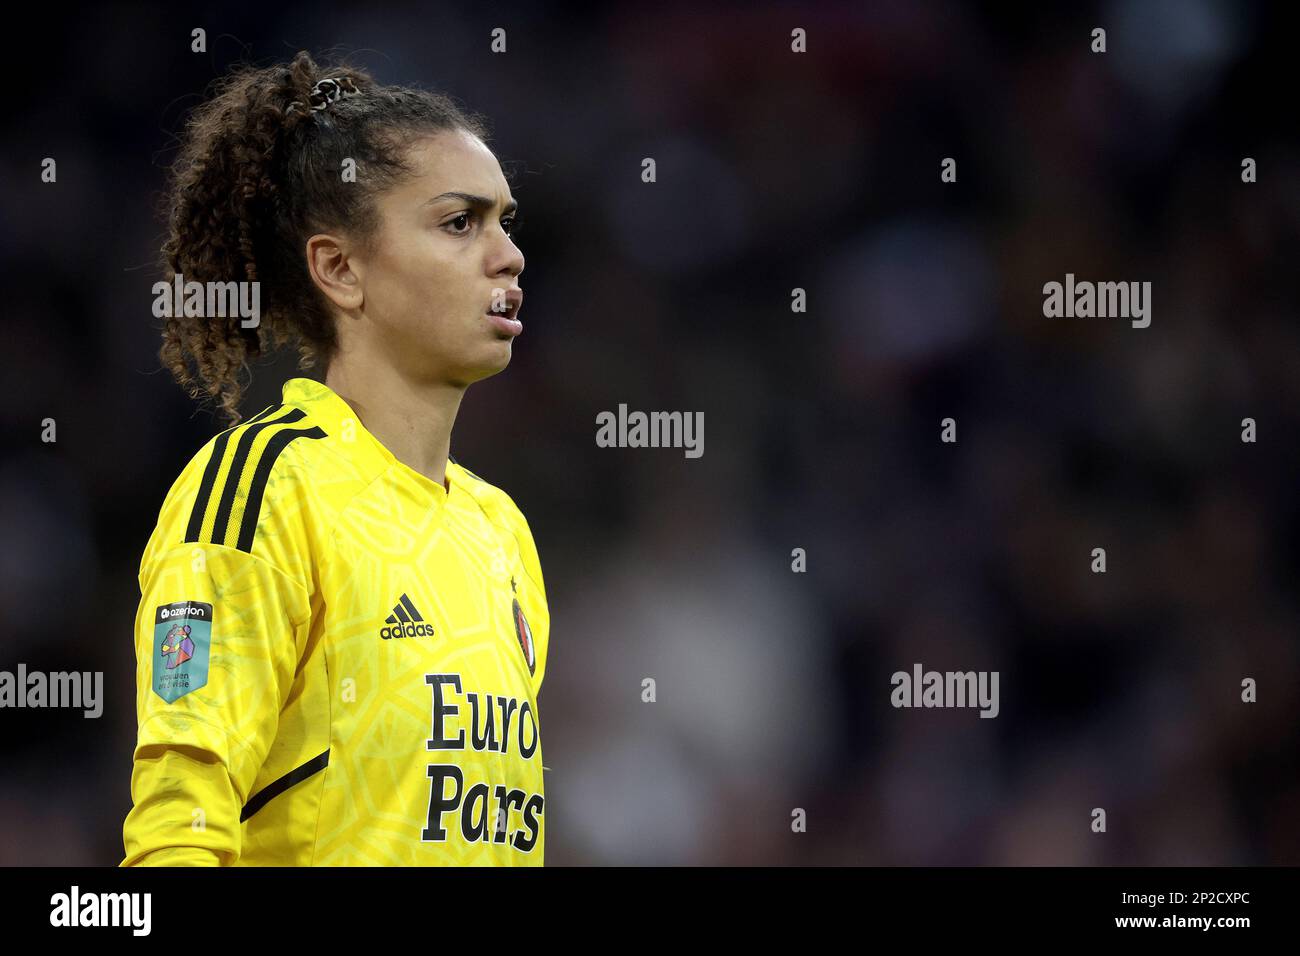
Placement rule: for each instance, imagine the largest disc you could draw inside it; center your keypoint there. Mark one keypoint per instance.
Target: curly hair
(258, 172)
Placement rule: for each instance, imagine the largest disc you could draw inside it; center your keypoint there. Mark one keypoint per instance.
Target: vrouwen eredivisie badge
(182, 636)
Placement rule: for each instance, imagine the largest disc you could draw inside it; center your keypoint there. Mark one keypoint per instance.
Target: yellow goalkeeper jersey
(338, 658)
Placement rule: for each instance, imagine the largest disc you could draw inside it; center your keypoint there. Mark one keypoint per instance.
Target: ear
(330, 263)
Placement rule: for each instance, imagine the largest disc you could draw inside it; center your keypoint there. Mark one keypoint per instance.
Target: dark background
(775, 171)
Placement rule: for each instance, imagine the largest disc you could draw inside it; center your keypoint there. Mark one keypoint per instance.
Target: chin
(490, 364)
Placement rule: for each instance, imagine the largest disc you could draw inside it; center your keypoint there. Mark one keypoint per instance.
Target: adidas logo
(406, 621)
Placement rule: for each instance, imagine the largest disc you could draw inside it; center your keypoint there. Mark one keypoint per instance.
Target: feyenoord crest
(525, 635)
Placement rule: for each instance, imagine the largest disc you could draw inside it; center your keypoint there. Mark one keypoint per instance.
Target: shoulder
(496, 504)
(248, 488)
(533, 615)
(500, 509)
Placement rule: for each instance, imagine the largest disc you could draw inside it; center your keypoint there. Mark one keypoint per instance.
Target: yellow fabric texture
(378, 642)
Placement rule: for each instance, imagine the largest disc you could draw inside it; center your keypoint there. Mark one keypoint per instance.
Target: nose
(507, 258)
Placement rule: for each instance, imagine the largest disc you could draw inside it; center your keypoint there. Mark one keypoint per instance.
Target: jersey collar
(328, 409)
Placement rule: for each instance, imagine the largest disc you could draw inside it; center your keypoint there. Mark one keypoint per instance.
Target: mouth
(505, 318)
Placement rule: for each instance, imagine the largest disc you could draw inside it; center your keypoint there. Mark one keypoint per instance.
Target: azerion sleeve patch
(182, 637)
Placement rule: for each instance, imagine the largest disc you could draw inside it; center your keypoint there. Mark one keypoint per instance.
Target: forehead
(453, 161)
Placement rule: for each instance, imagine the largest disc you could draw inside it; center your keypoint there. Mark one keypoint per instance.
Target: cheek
(427, 290)
(414, 273)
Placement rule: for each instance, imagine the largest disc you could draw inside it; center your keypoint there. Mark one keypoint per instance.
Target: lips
(505, 320)
(511, 302)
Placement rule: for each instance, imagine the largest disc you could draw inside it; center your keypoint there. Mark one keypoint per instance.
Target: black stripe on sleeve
(210, 473)
(278, 442)
(237, 463)
(277, 787)
(205, 487)
(269, 410)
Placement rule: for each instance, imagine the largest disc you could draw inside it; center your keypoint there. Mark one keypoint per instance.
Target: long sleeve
(218, 636)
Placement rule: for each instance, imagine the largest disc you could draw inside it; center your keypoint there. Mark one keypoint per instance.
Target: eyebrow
(477, 203)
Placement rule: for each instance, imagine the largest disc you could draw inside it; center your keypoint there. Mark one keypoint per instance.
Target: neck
(412, 420)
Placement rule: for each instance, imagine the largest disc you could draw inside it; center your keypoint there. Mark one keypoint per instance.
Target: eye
(510, 224)
(464, 215)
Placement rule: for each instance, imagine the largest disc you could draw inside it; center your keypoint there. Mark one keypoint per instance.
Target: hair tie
(329, 90)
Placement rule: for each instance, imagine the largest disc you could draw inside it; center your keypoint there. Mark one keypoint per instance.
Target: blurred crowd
(776, 171)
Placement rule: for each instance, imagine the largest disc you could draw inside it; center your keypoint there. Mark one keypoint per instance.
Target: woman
(342, 631)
